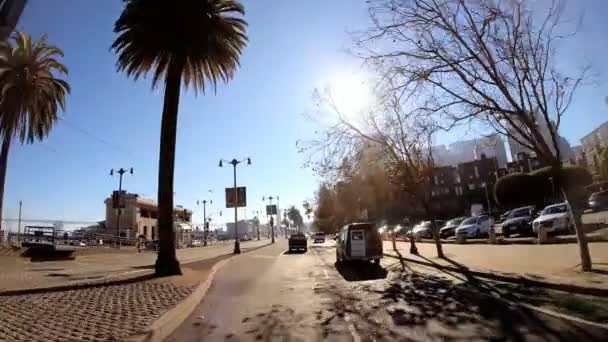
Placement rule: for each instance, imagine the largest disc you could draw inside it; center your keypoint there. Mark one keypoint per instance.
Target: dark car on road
(598, 201)
(318, 237)
(297, 241)
(519, 221)
(448, 229)
(359, 241)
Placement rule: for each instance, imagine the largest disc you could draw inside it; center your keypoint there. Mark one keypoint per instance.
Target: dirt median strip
(115, 278)
(523, 280)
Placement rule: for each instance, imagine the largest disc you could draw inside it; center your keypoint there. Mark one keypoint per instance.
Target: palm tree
(198, 42)
(30, 95)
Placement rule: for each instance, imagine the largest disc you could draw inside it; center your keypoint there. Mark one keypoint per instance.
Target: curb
(172, 319)
(117, 279)
(556, 240)
(522, 280)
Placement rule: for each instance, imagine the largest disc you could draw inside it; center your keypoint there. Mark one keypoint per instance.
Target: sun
(350, 93)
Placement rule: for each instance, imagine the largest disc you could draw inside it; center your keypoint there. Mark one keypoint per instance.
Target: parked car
(555, 218)
(359, 241)
(449, 229)
(519, 221)
(297, 241)
(475, 226)
(598, 201)
(318, 237)
(422, 230)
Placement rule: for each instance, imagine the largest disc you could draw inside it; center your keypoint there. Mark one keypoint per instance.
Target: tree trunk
(394, 239)
(438, 245)
(166, 263)
(6, 145)
(583, 246)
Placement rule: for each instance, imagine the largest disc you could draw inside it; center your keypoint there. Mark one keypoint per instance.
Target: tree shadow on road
(359, 270)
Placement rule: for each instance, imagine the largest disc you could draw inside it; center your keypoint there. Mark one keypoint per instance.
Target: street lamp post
(257, 221)
(234, 163)
(120, 172)
(271, 221)
(205, 223)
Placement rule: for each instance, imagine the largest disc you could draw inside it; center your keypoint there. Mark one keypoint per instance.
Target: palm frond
(30, 94)
(209, 35)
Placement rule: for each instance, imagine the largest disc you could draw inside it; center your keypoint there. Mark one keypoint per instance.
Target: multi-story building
(545, 131)
(592, 145)
(246, 227)
(467, 150)
(10, 11)
(456, 188)
(139, 218)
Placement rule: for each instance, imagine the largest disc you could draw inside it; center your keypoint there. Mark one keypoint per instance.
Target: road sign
(271, 209)
(238, 201)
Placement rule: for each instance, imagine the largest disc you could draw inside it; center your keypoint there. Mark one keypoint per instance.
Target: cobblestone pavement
(106, 313)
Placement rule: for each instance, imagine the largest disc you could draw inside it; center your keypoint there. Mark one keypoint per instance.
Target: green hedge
(535, 188)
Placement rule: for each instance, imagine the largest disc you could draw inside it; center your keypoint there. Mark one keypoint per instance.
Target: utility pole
(19, 225)
(234, 163)
(118, 198)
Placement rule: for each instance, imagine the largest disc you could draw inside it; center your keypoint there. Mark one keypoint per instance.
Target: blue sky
(112, 121)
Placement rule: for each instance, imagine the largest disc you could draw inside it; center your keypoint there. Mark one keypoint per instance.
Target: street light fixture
(118, 198)
(234, 163)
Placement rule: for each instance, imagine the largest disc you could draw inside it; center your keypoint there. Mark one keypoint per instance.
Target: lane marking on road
(351, 328)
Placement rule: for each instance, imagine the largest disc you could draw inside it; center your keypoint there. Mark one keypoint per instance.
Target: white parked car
(423, 230)
(475, 226)
(555, 218)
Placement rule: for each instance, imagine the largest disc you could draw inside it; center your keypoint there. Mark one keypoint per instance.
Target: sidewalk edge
(523, 280)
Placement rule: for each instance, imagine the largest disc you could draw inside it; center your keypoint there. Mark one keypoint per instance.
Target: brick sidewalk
(21, 273)
(550, 263)
(105, 313)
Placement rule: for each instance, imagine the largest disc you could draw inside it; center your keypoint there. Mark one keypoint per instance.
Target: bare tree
(402, 140)
(489, 61)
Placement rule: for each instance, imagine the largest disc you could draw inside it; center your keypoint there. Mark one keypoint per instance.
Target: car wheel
(337, 256)
(506, 232)
(305, 250)
(477, 233)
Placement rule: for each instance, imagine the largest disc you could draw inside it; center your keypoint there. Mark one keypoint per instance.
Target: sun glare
(350, 93)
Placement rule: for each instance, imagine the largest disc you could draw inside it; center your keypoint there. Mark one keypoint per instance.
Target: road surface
(271, 295)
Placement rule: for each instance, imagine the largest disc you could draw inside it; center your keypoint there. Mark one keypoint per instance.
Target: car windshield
(556, 209)
(520, 213)
(470, 220)
(454, 222)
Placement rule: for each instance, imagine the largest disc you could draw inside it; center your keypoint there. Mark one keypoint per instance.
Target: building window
(483, 184)
(153, 236)
(432, 193)
(476, 171)
(457, 178)
(471, 186)
(459, 191)
(146, 231)
(436, 181)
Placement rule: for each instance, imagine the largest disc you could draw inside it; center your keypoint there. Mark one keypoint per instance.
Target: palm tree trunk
(6, 145)
(166, 263)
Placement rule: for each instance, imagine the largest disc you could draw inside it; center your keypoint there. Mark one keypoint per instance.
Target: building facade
(139, 218)
(592, 145)
(492, 146)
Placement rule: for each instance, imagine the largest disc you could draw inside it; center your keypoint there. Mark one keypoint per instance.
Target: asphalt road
(270, 295)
